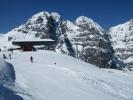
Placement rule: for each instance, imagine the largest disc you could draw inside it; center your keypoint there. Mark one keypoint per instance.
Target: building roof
(27, 40)
(33, 42)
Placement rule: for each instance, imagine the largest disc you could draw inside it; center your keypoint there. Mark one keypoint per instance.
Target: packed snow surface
(54, 76)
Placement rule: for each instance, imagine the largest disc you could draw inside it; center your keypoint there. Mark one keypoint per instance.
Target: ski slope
(68, 79)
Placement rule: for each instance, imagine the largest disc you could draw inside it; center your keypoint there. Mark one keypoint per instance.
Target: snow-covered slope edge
(7, 79)
(68, 79)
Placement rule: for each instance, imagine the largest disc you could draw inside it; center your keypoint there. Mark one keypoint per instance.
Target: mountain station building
(29, 45)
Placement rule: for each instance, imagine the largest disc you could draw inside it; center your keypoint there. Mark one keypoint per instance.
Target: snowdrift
(7, 79)
(7, 73)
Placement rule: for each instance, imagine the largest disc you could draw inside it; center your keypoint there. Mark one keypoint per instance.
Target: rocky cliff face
(83, 39)
(90, 42)
(121, 37)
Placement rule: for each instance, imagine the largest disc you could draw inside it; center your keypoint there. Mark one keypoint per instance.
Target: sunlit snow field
(54, 76)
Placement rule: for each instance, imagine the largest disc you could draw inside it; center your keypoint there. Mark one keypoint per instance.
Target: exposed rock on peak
(121, 37)
(84, 21)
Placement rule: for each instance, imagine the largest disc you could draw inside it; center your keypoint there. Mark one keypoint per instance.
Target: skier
(12, 51)
(31, 59)
(10, 56)
(4, 56)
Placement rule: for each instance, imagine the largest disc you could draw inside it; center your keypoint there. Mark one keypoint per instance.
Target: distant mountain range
(84, 39)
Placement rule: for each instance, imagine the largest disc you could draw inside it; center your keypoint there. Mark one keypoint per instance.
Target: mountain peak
(121, 37)
(44, 15)
(56, 16)
(131, 21)
(83, 20)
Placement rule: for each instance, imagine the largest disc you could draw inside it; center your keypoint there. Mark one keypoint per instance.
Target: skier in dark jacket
(4, 56)
(10, 56)
(31, 59)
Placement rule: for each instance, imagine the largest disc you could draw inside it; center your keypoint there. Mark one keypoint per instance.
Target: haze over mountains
(84, 39)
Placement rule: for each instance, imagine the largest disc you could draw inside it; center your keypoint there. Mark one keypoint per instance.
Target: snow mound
(7, 79)
(7, 73)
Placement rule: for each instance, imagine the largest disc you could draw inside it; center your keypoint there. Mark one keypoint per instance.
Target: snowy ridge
(121, 37)
(92, 24)
(120, 31)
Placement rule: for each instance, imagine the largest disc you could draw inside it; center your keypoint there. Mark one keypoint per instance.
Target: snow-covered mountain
(121, 37)
(83, 39)
(68, 79)
(92, 42)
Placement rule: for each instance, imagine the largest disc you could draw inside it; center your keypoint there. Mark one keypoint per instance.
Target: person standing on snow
(12, 51)
(4, 56)
(31, 59)
(10, 56)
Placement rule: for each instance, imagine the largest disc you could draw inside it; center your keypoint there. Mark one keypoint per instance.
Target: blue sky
(105, 12)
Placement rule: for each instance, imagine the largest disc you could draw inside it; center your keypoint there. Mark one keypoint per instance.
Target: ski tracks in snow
(66, 70)
(115, 88)
(110, 86)
(102, 84)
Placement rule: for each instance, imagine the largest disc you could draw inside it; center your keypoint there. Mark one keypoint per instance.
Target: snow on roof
(34, 42)
(38, 40)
